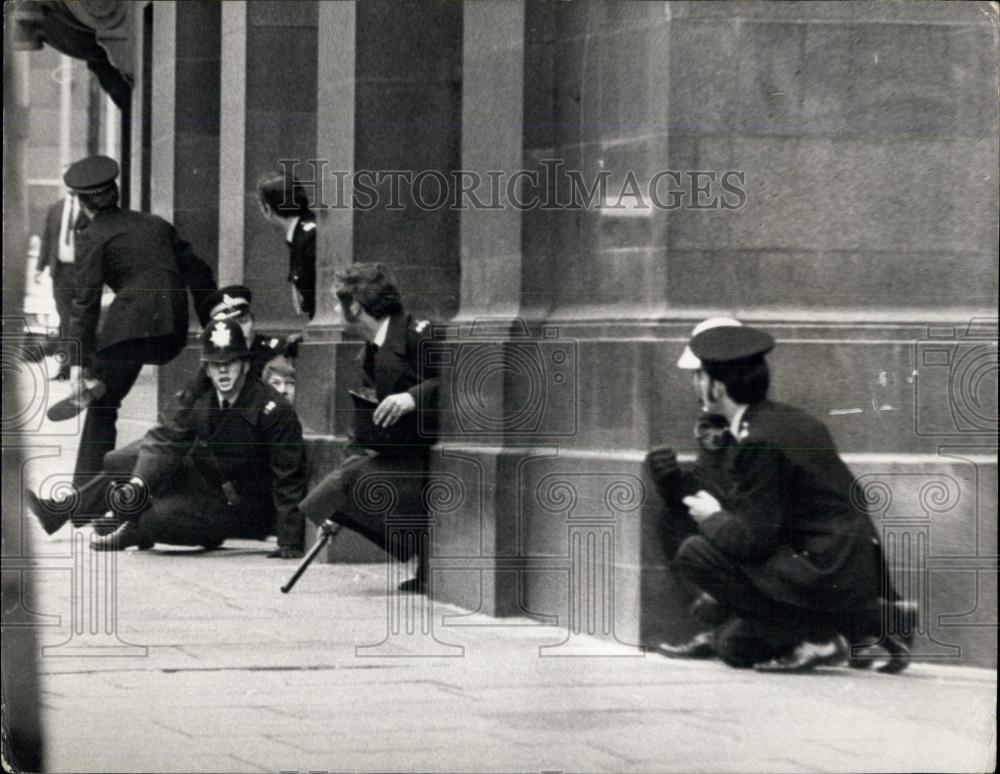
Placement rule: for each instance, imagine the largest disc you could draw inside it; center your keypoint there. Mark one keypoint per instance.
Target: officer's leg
(63, 289)
(118, 373)
(172, 520)
(329, 499)
(715, 574)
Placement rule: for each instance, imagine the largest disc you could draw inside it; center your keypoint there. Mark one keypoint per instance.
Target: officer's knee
(692, 554)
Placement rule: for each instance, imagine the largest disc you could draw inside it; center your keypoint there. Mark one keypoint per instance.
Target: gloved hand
(285, 552)
(711, 431)
(662, 463)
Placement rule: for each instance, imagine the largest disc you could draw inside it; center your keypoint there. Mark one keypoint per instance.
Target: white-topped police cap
(92, 175)
(228, 302)
(727, 345)
(688, 360)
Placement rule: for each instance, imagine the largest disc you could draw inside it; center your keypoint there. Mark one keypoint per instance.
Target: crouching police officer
(233, 465)
(781, 546)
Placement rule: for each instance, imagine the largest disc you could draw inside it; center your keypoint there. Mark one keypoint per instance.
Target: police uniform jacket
(788, 519)
(149, 267)
(393, 368)
(256, 446)
(302, 262)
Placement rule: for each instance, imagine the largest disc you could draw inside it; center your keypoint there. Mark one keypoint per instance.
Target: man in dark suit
(150, 269)
(284, 204)
(394, 418)
(232, 466)
(784, 549)
(57, 253)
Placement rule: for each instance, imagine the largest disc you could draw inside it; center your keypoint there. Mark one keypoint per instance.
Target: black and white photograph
(500, 386)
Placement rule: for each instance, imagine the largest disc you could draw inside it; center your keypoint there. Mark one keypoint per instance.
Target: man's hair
(371, 286)
(105, 200)
(746, 381)
(283, 193)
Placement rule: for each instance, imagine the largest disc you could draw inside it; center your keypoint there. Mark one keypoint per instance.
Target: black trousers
(63, 291)
(94, 494)
(118, 366)
(759, 627)
(364, 494)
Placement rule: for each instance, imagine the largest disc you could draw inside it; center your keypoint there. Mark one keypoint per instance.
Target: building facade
(825, 170)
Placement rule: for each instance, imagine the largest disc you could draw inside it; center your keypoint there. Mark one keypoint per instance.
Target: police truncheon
(328, 530)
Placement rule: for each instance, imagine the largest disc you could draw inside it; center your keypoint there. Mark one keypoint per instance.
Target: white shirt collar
(291, 228)
(734, 426)
(383, 331)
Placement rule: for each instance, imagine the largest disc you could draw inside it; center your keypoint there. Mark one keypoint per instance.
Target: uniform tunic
(392, 459)
(253, 449)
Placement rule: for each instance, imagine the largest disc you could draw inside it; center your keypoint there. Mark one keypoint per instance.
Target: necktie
(369, 365)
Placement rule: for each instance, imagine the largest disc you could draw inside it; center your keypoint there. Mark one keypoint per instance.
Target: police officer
(394, 415)
(233, 466)
(786, 551)
(284, 204)
(674, 482)
(150, 269)
(229, 303)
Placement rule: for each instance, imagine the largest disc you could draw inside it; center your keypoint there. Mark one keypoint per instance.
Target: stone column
(491, 300)
(268, 100)
(183, 54)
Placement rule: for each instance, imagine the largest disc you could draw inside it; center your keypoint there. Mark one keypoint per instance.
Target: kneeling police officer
(232, 465)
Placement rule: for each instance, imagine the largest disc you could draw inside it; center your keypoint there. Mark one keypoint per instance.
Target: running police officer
(150, 269)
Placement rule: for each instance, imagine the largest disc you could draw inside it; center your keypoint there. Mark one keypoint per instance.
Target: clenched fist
(662, 462)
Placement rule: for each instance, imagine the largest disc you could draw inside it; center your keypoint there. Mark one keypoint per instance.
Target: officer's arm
(424, 392)
(749, 530)
(282, 433)
(196, 273)
(162, 447)
(86, 308)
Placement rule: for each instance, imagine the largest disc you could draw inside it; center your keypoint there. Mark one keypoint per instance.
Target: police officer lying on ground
(394, 414)
(232, 466)
(271, 358)
(795, 566)
(150, 269)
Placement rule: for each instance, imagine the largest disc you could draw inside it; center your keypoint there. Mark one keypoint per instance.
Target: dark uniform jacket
(302, 262)
(788, 518)
(149, 267)
(393, 368)
(255, 446)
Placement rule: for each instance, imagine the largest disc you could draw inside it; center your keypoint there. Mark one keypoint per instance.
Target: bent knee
(694, 553)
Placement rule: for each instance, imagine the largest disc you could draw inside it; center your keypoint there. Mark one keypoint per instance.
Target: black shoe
(699, 647)
(90, 390)
(106, 524)
(808, 655)
(708, 611)
(415, 585)
(126, 536)
(52, 514)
